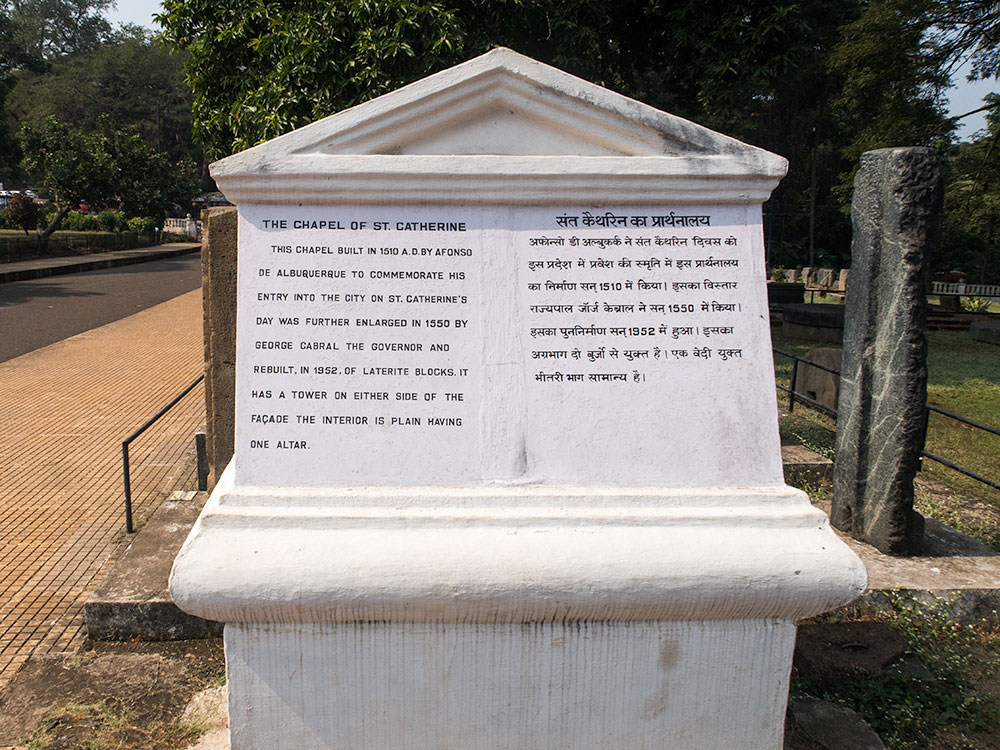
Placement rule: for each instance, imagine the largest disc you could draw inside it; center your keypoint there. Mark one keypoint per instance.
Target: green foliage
(909, 712)
(73, 166)
(261, 68)
(969, 30)
(976, 304)
(111, 168)
(78, 221)
(132, 82)
(892, 92)
(971, 231)
(140, 224)
(49, 28)
(21, 213)
(112, 221)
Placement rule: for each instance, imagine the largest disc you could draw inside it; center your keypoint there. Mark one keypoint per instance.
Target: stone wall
(218, 269)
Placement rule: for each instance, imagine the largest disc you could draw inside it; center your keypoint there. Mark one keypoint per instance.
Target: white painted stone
(552, 686)
(594, 549)
(515, 335)
(519, 113)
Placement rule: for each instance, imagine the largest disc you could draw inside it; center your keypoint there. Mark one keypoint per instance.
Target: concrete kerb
(133, 601)
(39, 268)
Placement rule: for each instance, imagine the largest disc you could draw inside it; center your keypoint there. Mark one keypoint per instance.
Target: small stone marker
(507, 467)
(842, 282)
(883, 388)
(819, 383)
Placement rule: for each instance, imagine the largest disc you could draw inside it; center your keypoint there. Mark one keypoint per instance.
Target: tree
(146, 182)
(971, 232)
(260, 68)
(109, 168)
(12, 59)
(759, 70)
(131, 81)
(967, 30)
(51, 28)
(73, 166)
(891, 92)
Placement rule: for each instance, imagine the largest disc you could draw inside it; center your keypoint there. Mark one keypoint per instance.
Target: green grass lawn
(963, 377)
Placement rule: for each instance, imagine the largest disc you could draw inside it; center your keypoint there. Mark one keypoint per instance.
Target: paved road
(40, 312)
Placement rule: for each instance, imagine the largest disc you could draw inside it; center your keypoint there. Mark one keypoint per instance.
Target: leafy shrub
(976, 304)
(778, 275)
(77, 221)
(112, 221)
(140, 224)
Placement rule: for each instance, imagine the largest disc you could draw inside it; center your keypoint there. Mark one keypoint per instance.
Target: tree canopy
(817, 81)
(103, 115)
(109, 168)
(758, 70)
(130, 81)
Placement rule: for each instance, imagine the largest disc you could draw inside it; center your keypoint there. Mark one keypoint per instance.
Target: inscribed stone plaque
(450, 346)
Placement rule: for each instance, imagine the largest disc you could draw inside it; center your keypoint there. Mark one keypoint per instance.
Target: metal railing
(126, 473)
(928, 408)
(794, 396)
(71, 243)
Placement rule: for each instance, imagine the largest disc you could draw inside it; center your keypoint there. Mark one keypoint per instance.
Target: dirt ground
(110, 696)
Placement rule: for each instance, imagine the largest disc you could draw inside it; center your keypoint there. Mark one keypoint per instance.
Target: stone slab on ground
(832, 727)
(209, 709)
(985, 330)
(39, 268)
(803, 466)
(952, 571)
(817, 383)
(827, 652)
(133, 601)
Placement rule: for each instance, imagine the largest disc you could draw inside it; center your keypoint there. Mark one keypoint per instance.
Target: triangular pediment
(499, 111)
(499, 115)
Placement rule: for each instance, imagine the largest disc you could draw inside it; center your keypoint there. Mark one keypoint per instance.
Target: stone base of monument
(580, 685)
(499, 617)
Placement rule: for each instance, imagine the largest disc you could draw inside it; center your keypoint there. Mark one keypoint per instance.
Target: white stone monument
(507, 469)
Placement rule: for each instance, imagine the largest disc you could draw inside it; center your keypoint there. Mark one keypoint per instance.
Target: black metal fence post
(128, 488)
(791, 392)
(201, 452)
(125, 443)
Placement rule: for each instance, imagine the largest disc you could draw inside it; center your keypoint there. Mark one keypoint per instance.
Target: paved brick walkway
(64, 411)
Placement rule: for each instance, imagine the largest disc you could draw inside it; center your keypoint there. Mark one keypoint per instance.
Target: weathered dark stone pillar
(880, 425)
(218, 283)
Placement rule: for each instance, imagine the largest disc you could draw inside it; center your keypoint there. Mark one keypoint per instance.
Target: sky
(134, 11)
(964, 97)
